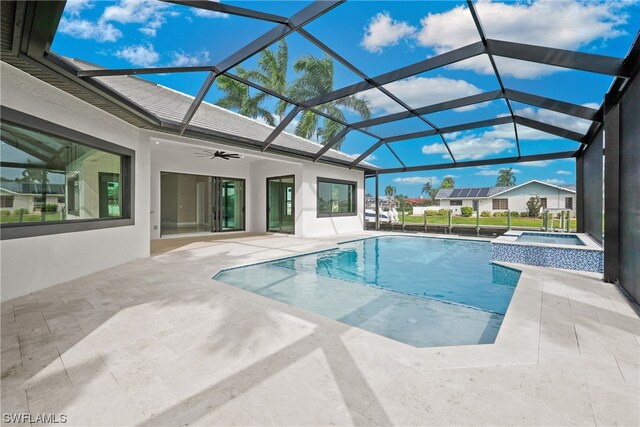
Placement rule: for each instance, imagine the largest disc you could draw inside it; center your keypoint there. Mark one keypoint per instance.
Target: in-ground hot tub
(557, 250)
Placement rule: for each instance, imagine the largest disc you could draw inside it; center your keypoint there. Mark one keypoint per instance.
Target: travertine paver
(158, 342)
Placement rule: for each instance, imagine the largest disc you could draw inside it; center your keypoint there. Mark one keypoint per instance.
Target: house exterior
(120, 183)
(501, 199)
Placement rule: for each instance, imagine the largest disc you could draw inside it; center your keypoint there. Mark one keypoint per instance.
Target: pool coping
(517, 341)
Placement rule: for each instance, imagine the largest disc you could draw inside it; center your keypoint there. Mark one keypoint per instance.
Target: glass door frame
(215, 219)
(282, 200)
(216, 208)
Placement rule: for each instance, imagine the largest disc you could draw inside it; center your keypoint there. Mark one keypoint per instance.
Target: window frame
(127, 170)
(457, 202)
(354, 196)
(493, 204)
(565, 202)
(543, 202)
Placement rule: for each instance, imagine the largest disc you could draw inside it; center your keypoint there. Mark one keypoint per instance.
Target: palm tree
(433, 193)
(390, 191)
(316, 78)
(271, 73)
(426, 188)
(506, 178)
(448, 182)
(238, 97)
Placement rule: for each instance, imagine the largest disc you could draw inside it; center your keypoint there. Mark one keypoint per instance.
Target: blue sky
(378, 37)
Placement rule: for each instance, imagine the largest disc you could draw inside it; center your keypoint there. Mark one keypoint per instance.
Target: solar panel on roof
(474, 192)
(455, 193)
(465, 192)
(484, 192)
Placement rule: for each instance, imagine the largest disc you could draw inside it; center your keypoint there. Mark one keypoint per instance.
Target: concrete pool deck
(158, 342)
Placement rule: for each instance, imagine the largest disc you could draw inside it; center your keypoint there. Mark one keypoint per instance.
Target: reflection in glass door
(280, 204)
(196, 203)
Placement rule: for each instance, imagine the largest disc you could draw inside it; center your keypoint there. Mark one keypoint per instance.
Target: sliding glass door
(280, 204)
(197, 203)
(228, 210)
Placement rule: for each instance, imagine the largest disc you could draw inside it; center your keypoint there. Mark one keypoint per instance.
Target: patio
(158, 342)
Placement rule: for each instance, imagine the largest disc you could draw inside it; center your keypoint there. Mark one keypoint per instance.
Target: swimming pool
(554, 239)
(421, 291)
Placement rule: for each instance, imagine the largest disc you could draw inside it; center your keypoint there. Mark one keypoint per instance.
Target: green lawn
(496, 221)
(32, 217)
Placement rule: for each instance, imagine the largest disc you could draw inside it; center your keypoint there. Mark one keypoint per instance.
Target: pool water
(421, 291)
(556, 239)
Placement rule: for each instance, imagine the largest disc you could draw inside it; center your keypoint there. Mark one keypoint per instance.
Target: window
(543, 202)
(475, 205)
(58, 180)
(568, 203)
(500, 204)
(336, 198)
(6, 201)
(455, 203)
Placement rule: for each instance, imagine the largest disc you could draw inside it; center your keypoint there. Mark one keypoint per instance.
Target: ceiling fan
(220, 154)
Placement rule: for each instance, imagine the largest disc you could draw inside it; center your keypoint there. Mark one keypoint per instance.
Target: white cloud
(471, 146)
(202, 13)
(419, 92)
(383, 31)
(560, 24)
(74, 7)
(493, 172)
(562, 172)
(537, 163)
(415, 180)
(554, 118)
(140, 55)
(152, 14)
(133, 11)
(181, 59)
(554, 181)
(83, 29)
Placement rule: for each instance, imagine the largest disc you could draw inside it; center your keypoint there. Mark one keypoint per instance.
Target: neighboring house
(500, 199)
(29, 196)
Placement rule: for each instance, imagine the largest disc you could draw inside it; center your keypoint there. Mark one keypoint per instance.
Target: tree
(433, 193)
(271, 73)
(534, 204)
(506, 178)
(316, 79)
(426, 187)
(448, 182)
(390, 191)
(238, 97)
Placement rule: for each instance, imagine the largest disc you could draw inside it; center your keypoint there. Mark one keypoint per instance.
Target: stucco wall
(34, 263)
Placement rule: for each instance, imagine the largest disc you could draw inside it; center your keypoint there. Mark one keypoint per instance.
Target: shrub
(534, 205)
(443, 212)
(431, 213)
(526, 214)
(50, 207)
(466, 210)
(499, 214)
(515, 214)
(5, 212)
(485, 213)
(19, 211)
